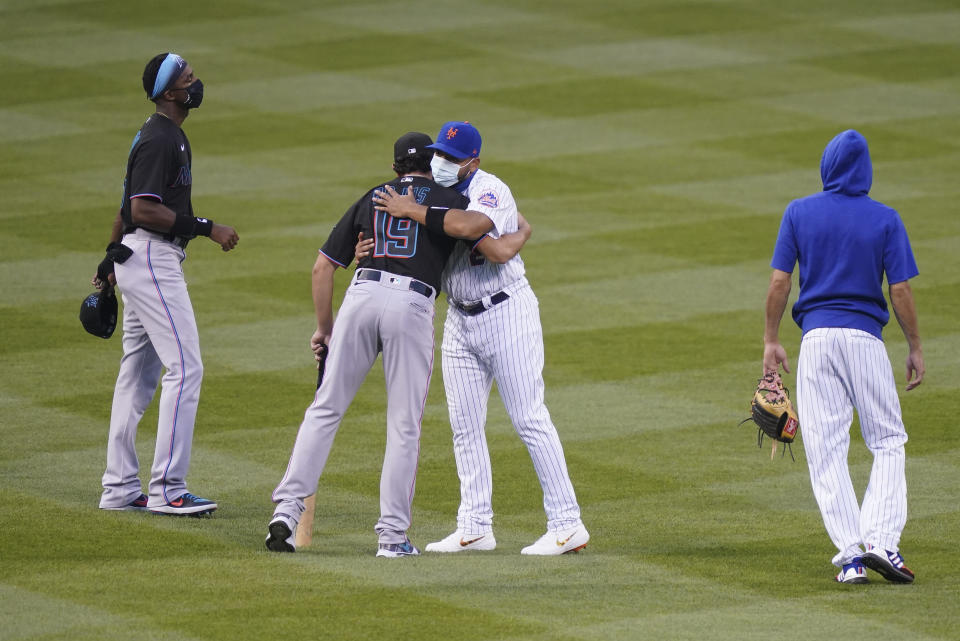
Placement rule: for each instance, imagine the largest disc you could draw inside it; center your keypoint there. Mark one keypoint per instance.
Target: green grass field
(653, 146)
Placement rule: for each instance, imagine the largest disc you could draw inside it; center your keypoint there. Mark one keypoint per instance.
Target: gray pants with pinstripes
(840, 370)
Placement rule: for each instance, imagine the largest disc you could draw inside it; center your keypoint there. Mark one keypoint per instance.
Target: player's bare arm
(225, 236)
(496, 250)
(116, 231)
(500, 250)
(773, 352)
(457, 223)
(323, 270)
(154, 215)
(901, 299)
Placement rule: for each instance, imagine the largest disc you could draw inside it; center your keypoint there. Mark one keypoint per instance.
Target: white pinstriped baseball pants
(504, 343)
(841, 369)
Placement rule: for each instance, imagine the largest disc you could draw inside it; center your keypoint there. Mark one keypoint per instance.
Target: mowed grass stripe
(260, 588)
(30, 614)
(673, 296)
(875, 103)
(636, 57)
(644, 128)
(741, 621)
(529, 577)
(18, 126)
(929, 26)
(599, 172)
(584, 594)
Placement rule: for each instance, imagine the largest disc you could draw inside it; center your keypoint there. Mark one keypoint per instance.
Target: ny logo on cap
(452, 133)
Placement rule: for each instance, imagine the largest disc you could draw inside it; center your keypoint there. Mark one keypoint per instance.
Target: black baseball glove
(116, 253)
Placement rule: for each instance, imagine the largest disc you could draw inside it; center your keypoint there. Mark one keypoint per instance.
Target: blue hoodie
(845, 241)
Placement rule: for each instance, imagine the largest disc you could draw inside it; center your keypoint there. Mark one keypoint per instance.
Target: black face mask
(194, 95)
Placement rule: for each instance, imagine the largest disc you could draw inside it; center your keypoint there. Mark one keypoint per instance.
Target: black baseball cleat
(887, 564)
(186, 505)
(280, 537)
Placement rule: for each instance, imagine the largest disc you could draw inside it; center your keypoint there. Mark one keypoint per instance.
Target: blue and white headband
(170, 69)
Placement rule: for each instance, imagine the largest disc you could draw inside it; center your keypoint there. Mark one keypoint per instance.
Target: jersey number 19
(395, 237)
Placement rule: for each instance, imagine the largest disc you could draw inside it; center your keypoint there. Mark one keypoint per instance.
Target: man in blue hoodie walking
(845, 242)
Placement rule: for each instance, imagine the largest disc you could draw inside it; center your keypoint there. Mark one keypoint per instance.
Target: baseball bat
(321, 365)
(305, 528)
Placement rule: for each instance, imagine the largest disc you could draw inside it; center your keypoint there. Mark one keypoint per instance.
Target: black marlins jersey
(402, 246)
(158, 167)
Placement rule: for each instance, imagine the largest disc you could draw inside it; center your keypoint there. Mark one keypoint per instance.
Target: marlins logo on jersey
(184, 177)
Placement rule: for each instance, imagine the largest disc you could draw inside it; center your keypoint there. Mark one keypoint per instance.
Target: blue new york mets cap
(460, 139)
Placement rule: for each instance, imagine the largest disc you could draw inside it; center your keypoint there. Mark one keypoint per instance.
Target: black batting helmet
(98, 313)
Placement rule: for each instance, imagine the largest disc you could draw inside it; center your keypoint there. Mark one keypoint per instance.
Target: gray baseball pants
(375, 315)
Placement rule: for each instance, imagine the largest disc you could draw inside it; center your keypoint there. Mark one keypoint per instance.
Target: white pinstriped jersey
(504, 344)
(468, 276)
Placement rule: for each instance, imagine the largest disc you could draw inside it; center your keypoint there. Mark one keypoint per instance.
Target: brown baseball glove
(773, 412)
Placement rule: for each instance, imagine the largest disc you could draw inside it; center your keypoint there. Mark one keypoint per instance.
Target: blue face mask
(446, 173)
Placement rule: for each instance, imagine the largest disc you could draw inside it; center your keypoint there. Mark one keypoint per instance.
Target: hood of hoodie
(845, 167)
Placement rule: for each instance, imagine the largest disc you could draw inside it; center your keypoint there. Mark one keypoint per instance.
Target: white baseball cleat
(282, 534)
(460, 542)
(853, 572)
(562, 542)
(889, 564)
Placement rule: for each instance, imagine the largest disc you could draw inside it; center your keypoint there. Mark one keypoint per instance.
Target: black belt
(176, 240)
(477, 308)
(415, 285)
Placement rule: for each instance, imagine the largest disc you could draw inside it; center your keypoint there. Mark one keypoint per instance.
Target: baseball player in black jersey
(146, 248)
(388, 307)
